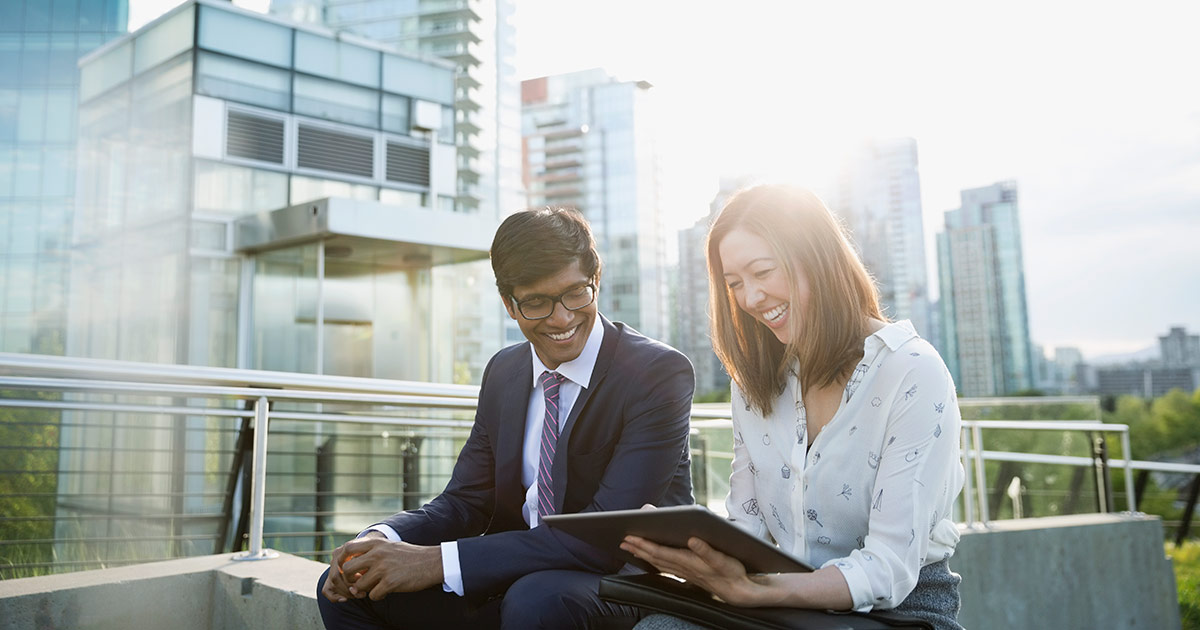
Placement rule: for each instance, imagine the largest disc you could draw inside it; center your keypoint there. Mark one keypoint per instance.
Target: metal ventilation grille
(407, 164)
(335, 151)
(254, 137)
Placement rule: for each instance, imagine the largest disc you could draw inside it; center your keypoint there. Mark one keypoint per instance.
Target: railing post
(980, 475)
(1100, 462)
(324, 488)
(968, 507)
(1131, 490)
(410, 453)
(258, 487)
(1185, 523)
(699, 446)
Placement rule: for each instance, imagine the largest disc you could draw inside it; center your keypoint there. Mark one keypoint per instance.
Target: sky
(1093, 108)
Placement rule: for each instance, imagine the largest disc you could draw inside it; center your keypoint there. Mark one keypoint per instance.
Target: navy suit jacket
(627, 445)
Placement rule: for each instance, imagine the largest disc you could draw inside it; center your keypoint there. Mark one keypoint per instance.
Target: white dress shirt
(578, 373)
(873, 495)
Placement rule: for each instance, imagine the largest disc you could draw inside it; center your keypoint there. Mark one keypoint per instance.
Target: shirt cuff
(860, 585)
(451, 569)
(384, 529)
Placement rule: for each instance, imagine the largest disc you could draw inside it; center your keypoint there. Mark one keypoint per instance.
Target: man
(586, 415)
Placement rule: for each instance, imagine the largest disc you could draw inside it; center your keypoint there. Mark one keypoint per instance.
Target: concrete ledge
(203, 593)
(1083, 571)
(1086, 571)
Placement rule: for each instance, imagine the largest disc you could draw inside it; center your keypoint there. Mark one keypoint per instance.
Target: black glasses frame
(591, 286)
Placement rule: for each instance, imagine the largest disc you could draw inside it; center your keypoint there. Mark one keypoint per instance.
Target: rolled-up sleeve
(919, 474)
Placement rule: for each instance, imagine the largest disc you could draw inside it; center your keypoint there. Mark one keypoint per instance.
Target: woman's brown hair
(827, 339)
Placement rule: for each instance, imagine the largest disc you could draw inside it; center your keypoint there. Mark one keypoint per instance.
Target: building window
(246, 37)
(243, 82)
(396, 114)
(331, 58)
(333, 100)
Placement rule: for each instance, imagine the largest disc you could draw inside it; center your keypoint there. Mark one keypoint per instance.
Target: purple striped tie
(550, 384)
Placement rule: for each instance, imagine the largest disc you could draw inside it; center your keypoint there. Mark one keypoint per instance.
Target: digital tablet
(673, 526)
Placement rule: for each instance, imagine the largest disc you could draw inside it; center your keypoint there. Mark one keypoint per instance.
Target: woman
(846, 427)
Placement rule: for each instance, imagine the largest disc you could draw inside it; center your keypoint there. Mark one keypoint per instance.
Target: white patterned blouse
(874, 494)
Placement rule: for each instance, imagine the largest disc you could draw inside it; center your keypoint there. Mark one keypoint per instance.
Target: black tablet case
(668, 595)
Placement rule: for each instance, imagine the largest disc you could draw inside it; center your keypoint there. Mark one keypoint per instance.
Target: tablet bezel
(673, 526)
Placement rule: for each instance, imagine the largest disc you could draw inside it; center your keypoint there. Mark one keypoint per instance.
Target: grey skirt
(934, 599)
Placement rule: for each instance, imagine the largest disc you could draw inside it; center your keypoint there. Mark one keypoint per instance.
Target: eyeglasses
(542, 306)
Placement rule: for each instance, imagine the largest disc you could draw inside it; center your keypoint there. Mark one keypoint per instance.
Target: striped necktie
(550, 385)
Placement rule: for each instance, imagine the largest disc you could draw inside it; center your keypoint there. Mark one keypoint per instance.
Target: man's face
(560, 337)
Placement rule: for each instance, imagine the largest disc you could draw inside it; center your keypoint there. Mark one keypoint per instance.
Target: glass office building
(40, 43)
(255, 194)
(478, 37)
(207, 141)
(878, 195)
(985, 321)
(589, 144)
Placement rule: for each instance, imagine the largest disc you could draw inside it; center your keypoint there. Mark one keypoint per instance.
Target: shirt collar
(892, 335)
(579, 369)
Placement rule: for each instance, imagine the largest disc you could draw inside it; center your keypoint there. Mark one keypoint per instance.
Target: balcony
(461, 53)
(447, 9)
(187, 465)
(567, 160)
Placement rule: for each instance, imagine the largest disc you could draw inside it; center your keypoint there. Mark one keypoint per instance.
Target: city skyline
(1070, 100)
(1065, 99)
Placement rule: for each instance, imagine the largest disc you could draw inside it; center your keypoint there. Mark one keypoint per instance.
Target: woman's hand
(700, 564)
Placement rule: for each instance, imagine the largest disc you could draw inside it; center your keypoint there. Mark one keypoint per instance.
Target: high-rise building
(985, 329)
(1180, 349)
(40, 45)
(692, 330)
(1067, 362)
(589, 144)
(878, 195)
(257, 194)
(1146, 380)
(478, 37)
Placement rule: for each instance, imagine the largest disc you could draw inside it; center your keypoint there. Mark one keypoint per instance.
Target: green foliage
(462, 373)
(1165, 428)
(28, 444)
(1186, 560)
(1169, 427)
(713, 396)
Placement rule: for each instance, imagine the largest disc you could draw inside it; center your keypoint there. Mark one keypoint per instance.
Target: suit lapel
(510, 441)
(603, 362)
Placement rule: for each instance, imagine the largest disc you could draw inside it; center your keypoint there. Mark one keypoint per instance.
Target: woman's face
(759, 282)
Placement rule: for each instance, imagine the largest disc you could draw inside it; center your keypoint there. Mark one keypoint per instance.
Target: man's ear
(508, 306)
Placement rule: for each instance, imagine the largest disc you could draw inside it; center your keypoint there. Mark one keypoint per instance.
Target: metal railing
(129, 462)
(141, 462)
(712, 419)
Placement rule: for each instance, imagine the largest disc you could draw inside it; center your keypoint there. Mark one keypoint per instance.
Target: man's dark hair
(540, 242)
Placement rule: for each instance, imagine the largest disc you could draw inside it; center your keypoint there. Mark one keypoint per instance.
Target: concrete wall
(1085, 571)
(204, 593)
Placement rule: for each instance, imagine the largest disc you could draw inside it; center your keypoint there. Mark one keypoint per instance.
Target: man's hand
(337, 587)
(377, 566)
